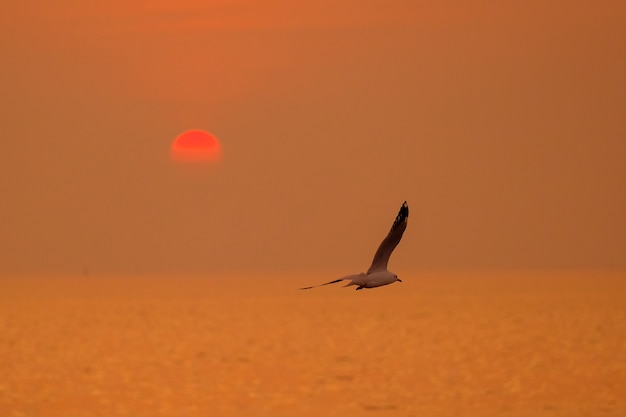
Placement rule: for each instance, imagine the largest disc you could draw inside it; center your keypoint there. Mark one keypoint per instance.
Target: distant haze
(501, 125)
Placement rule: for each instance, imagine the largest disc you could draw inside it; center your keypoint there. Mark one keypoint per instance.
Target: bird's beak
(399, 280)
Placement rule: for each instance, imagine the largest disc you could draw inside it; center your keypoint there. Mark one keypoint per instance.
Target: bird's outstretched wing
(391, 241)
(331, 282)
(349, 277)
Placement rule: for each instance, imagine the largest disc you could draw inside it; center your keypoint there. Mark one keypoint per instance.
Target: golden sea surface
(492, 344)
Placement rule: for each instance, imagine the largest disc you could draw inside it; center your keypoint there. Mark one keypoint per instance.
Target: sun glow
(196, 146)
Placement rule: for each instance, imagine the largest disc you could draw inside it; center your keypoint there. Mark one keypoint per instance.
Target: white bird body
(377, 275)
(373, 279)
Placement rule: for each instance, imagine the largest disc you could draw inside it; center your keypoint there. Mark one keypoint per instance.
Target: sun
(196, 146)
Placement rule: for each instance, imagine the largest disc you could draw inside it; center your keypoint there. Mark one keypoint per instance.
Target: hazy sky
(501, 123)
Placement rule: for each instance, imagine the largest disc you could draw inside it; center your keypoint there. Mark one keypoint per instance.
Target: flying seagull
(378, 275)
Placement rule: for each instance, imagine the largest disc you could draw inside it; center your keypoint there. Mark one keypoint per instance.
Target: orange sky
(501, 124)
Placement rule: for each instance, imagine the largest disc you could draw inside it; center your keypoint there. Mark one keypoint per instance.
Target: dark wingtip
(402, 216)
(404, 211)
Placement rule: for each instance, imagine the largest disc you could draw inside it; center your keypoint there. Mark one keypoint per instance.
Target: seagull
(378, 275)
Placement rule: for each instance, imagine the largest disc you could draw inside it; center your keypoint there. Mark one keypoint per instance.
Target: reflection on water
(462, 345)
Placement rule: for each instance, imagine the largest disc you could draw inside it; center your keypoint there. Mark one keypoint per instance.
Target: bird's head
(397, 279)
